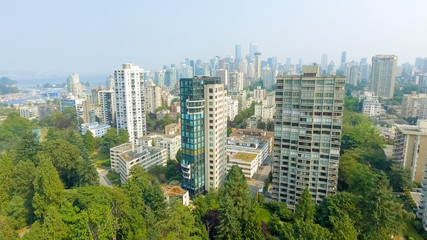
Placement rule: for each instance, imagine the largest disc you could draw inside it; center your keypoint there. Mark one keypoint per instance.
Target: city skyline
(64, 38)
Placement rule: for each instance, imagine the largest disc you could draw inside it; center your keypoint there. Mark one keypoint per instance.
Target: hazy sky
(97, 36)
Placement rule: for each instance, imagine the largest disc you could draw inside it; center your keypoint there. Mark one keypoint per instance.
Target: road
(103, 180)
(259, 177)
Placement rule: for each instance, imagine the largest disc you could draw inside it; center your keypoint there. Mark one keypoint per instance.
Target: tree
(178, 156)
(261, 125)
(400, 179)
(229, 131)
(50, 228)
(252, 224)
(229, 228)
(123, 136)
(305, 208)
(89, 141)
(6, 230)
(180, 225)
(66, 159)
(237, 189)
(48, 188)
(5, 180)
(270, 125)
(351, 104)
(12, 129)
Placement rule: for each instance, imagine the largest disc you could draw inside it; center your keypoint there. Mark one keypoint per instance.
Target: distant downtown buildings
(203, 133)
(307, 137)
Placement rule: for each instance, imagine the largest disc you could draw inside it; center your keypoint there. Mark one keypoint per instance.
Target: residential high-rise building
(223, 75)
(74, 86)
(307, 138)
(383, 75)
(203, 132)
(130, 101)
(257, 66)
(410, 149)
(153, 97)
(269, 77)
(413, 105)
(235, 81)
(110, 83)
(352, 73)
(108, 107)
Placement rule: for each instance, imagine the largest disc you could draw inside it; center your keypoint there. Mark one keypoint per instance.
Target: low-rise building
(46, 110)
(248, 162)
(30, 112)
(98, 130)
(171, 143)
(173, 128)
(262, 135)
(176, 192)
(410, 149)
(127, 155)
(248, 144)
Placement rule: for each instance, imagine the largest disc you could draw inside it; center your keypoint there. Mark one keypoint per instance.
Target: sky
(97, 36)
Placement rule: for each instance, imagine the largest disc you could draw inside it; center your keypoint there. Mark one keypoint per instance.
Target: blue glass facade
(193, 133)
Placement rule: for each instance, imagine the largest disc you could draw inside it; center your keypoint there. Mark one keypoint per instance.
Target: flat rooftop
(173, 190)
(247, 157)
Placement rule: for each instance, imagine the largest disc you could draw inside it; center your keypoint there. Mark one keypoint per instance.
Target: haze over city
(95, 37)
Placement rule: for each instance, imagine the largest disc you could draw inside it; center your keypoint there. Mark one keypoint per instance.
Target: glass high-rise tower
(203, 133)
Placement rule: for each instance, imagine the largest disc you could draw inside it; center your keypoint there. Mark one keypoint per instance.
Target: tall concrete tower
(130, 101)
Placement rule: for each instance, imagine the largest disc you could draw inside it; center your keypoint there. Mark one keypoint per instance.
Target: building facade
(171, 143)
(383, 75)
(130, 101)
(108, 107)
(125, 156)
(410, 149)
(203, 133)
(307, 138)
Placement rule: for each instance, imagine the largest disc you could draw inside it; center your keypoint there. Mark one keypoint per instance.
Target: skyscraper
(238, 53)
(74, 86)
(253, 48)
(324, 64)
(383, 75)
(307, 135)
(235, 81)
(257, 66)
(130, 101)
(203, 133)
(352, 73)
(343, 60)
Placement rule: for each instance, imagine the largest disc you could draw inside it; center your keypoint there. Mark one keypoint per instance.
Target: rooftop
(173, 190)
(247, 157)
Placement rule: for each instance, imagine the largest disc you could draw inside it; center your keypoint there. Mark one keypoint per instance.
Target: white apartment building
(30, 112)
(171, 143)
(153, 97)
(215, 134)
(130, 101)
(260, 93)
(233, 108)
(125, 156)
(413, 105)
(247, 144)
(98, 130)
(235, 81)
(248, 162)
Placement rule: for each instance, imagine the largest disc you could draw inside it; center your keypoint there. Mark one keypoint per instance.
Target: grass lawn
(101, 160)
(411, 231)
(265, 215)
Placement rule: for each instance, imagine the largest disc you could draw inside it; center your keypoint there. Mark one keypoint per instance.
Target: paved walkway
(103, 180)
(257, 181)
